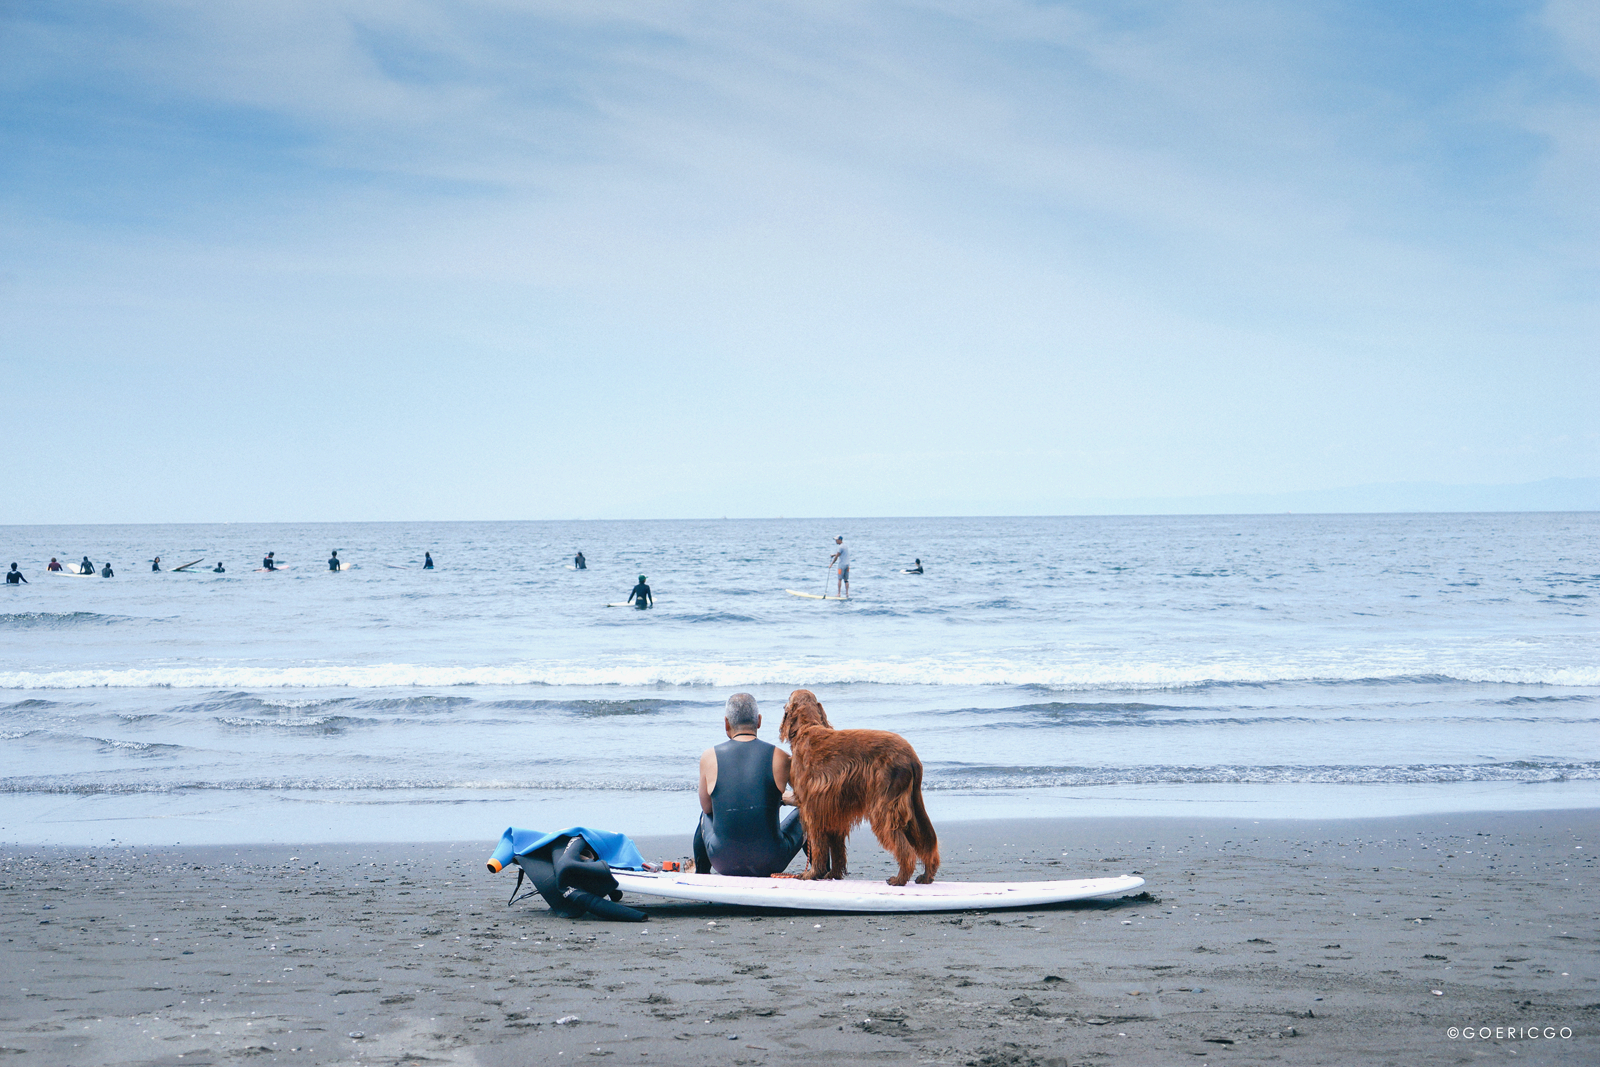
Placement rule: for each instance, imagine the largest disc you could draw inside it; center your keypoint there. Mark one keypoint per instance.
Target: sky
(391, 260)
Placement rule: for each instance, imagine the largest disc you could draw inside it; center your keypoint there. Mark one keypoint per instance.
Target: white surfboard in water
(814, 596)
(854, 895)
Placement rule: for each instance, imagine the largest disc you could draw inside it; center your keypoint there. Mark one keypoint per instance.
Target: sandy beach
(1295, 942)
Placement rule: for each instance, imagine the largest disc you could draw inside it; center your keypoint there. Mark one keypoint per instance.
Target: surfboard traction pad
(863, 896)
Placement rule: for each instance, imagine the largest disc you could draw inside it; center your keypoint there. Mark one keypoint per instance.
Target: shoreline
(1304, 941)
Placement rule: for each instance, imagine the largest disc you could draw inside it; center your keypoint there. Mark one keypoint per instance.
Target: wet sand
(1299, 942)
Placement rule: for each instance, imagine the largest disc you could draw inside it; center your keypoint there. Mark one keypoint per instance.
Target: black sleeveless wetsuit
(743, 834)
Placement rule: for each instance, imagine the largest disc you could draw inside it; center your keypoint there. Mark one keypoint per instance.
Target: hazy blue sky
(383, 260)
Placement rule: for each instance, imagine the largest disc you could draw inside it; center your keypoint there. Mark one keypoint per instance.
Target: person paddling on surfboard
(915, 568)
(841, 560)
(744, 784)
(642, 593)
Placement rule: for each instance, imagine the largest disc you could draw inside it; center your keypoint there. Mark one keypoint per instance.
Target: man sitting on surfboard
(86, 567)
(640, 597)
(743, 783)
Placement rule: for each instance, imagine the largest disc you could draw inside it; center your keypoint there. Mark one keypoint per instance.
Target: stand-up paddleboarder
(841, 560)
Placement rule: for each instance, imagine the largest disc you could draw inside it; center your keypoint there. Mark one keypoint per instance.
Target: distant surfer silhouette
(219, 569)
(86, 567)
(14, 577)
(916, 568)
(642, 592)
(333, 561)
(54, 566)
(106, 572)
(269, 564)
(427, 561)
(155, 564)
(579, 562)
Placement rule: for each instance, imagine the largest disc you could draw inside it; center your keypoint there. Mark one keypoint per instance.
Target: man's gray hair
(742, 710)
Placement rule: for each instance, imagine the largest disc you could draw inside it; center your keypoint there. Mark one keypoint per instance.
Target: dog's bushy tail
(919, 828)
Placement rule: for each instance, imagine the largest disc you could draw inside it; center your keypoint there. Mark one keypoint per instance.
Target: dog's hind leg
(886, 828)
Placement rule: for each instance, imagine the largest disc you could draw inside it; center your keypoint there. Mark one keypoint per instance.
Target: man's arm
(708, 777)
(780, 774)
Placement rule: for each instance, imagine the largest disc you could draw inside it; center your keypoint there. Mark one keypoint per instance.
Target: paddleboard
(186, 566)
(857, 895)
(814, 596)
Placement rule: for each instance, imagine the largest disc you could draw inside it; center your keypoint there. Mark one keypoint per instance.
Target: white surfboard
(70, 570)
(814, 596)
(274, 570)
(853, 895)
(630, 603)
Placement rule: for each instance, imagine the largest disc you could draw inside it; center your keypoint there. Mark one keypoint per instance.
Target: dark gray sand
(1295, 942)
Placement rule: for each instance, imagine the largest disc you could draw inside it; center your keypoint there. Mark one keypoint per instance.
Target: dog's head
(802, 710)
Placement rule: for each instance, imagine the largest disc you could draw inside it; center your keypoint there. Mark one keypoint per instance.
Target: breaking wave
(931, 671)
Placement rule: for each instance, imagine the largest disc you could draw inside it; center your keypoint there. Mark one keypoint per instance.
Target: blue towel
(616, 850)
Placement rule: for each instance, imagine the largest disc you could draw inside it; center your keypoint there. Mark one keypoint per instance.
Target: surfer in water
(54, 566)
(269, 564)
(744, 785)
(579, 563)
(640, 597)
(86, 567)
(219, 568)
(915, 568)
(14, 577)
(333, 561)
(106, 571)
(841, 560)
(427, 561)
(155, 564)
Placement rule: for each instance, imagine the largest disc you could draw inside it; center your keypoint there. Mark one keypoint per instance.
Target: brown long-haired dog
(841, 777)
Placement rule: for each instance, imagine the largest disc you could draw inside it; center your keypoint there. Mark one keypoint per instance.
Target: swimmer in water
(155, 564)
(642, 592)
(54, 566)
(15, 577)
(106, 572)
(219, 569)
(427, 561)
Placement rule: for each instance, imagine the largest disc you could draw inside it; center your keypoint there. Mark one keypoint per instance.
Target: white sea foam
(942, 672)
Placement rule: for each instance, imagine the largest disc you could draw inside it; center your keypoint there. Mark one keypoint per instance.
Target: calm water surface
(1266, 665)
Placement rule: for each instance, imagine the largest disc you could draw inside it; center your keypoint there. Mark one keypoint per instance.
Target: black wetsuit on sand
(743, 834)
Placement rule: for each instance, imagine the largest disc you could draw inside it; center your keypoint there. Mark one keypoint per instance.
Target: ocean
(1247, 666)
